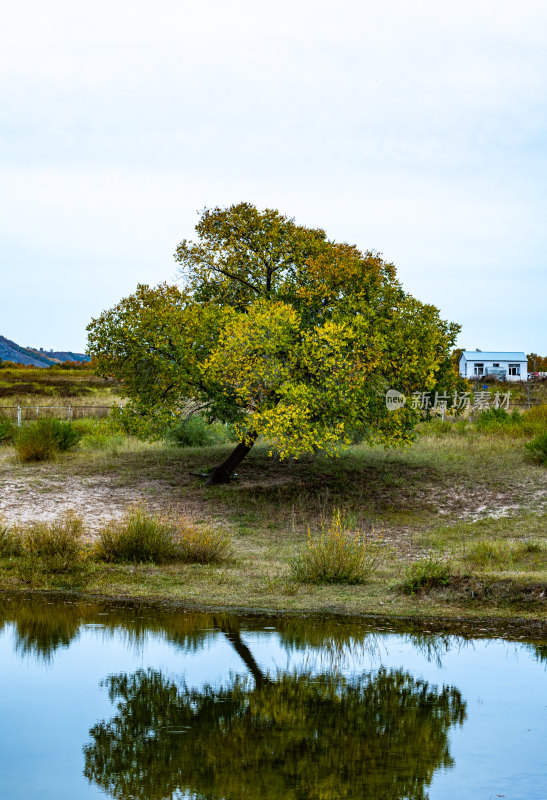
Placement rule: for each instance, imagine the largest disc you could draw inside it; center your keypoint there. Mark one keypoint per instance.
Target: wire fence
(68, 413)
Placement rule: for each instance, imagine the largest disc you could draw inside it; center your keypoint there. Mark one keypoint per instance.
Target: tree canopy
(279, 330)
(380, 736)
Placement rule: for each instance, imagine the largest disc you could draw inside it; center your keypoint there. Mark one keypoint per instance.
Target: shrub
(144, 537)
(537, 449)
(86, 425)
(534, 421)
(65, 434)
(36, 442)
(497, 420)
(197, 432)
(53, 546)
(7, 431)
(40, 440)
(436, 426)
(427, 573)
(338, 555)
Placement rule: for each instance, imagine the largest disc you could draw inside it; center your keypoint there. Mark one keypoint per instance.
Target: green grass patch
(7, 431)
(197, 432)
(492, 554)
(432, 572)
(537, 449)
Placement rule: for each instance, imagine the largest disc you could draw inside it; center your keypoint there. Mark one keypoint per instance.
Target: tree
(280, 331)
(536, 363)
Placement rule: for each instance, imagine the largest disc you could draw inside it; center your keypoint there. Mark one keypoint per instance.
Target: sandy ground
(40, 494)
(95, 500)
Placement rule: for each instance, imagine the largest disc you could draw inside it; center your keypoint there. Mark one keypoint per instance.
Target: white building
(506, 366)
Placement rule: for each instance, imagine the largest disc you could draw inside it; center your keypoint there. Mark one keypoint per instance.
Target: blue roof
(487, 355)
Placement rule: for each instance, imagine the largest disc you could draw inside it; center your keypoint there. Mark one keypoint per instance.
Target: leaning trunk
(222, 473)
(246, 656)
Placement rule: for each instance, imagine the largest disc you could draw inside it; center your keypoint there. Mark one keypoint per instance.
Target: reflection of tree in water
(540, 652)
(299, 736)
(304, 735)
(44, 627)
(340, 640)
(40, 630)
(307, 735)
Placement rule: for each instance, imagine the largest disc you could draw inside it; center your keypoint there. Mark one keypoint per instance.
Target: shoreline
(468, 625)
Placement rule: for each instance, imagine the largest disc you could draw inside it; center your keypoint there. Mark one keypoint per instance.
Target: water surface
(98, 701)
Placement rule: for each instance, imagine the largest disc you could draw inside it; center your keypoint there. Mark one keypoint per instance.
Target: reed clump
(7, 431)
(10, 544)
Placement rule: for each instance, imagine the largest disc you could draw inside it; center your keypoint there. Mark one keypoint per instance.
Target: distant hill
(10, 351)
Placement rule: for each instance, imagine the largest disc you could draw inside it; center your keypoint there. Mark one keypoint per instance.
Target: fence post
(37, 407)
(18, 416)
(69, 413)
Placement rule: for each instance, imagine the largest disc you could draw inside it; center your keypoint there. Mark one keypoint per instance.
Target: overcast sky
(418, 129)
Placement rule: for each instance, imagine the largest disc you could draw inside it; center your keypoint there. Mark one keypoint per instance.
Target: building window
(514, 369)
(479, 369)
(495, 365)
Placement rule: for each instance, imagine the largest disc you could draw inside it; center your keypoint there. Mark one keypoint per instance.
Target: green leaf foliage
(277, 330)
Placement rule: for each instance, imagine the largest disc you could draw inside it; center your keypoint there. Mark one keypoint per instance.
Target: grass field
(469, 503)
(53, 391)
(42, 386)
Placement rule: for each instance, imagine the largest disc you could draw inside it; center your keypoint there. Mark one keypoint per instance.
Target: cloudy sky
(418, 129)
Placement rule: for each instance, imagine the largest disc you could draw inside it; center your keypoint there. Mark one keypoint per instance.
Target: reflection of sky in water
(47, 709)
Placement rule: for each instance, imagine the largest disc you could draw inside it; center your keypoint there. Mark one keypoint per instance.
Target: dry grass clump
(201, 545)
(53, 546)
(145, 537)
(10, 544)
(338, 555)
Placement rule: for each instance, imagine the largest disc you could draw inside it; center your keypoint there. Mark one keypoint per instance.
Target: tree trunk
(222, 473)
(246, 656)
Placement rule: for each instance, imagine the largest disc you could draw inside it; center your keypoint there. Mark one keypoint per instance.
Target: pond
(131, 702)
